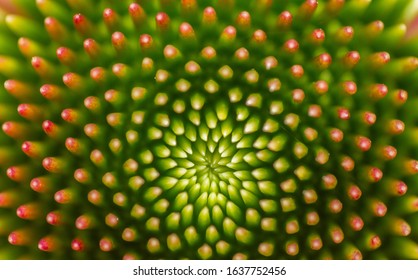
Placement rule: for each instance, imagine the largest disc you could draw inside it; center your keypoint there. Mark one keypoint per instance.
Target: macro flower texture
(212, 129)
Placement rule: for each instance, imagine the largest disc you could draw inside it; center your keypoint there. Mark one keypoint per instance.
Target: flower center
(213, 166)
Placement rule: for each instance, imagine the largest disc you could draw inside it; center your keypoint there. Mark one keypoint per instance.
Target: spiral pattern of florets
(208, 130)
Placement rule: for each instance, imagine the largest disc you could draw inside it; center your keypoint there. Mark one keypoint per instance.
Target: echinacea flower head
(213, 129)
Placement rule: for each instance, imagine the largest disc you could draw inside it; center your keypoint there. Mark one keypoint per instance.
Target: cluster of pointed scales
(208, 130)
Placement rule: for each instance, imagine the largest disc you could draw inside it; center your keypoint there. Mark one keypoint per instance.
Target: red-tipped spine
(48, 244)
(378, 91)
(20, 237)
(259, 36)
(92, 48)
(95, 197)
(186, 31)
(97, 157)
(317, 37)
(18, 89)
(66, 56)
(111, 220)
(371, 241)
(363, 143)
(315, 242)
(411, 166)
(242, 54)
(343, 113)
(396, 127)
(82, 175)
(307, 9)
(369, 118)
(110, 18)
(56, 30)
(335, 206)
(396, 187)
(297, 71)
(336, 135)
(29, 211)
(64, 196)
(351, 59)
(41, 184)
(298, 95)
(323, 61)
(92, 103)
(291, 46)
(99, 75)
(337, 234)
(92, 130)
(354, 192)
(284, 20)
(162, 21)
(356, 223)
(78, 245)
(270, 62)
(243, 20)
(51, 129)
(347, 163)
(399, 96)
(33, 149)
(188, 7)
(349, 87)
(82, 25)
(121, 70)
(51, 92)
(229, 33)
(74, 146)
(334, 6)
(119, 42)
(106, 244)
(321, 87)
(54, 164)
(329, 181)
(74, 81)
(209, 16)
(378, 208)
(374, 174)
(30, 111)
(146, 42)
(344, 35)
(137, 14)
(72, 116)
(54, 218)
(388, 152)
(379, 59)
(129, 234)
(29, 48)
(84, 222)
(373, 29)
(208, 53)
(18, 173)
(44, 69)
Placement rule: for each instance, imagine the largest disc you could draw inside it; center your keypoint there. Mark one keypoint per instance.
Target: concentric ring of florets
(212, 132)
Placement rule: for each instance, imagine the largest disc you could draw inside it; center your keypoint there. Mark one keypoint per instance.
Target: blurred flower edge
(410, 16)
